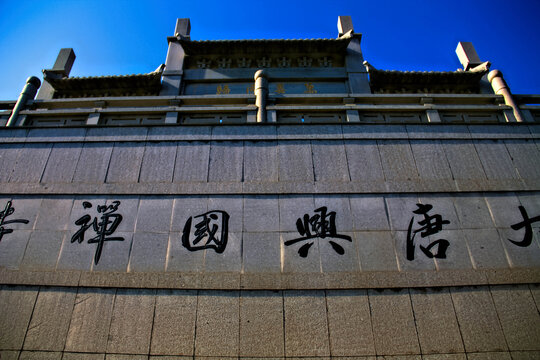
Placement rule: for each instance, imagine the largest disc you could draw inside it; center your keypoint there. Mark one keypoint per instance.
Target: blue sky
(125, 37)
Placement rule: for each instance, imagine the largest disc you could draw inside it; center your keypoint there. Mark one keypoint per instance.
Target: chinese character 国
(104, 227)
(211, 232)
(322, 225)
(430, 225)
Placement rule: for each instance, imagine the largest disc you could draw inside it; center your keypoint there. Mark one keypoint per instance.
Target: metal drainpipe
(500, 87)
(29, 92)
(261, 94)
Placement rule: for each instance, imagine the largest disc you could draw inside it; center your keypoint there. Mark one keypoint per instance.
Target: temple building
(270, 199)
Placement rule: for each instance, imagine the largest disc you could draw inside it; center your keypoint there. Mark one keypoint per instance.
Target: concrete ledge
(350, 131)
(268, 188)
(274, 281)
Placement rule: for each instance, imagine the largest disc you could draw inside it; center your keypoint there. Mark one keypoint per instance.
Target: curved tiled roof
(112, 85)
(393, 81)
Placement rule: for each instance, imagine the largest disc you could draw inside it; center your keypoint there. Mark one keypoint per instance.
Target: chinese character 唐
(430, 225)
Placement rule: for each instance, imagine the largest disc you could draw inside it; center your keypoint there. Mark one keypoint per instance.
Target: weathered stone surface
(192, 159)
(306, 328)
(228, 261)
(131, 323)
(8, 157)
(293, 207)
(495, 159)
(54, 214)
(261, 213)
(9, 355)
(443, 205)
(489, 356)
(125, 133)
(436, 324)
(115, 255)
(148, 252)
(62, 163)
(50, 320)
(333, 261)
(292, 262)
(458, 254)
(186, 207)
(260, 161)
(463, 159)
(158, 162)
(17, 304)
(89, 326)
(233, 205)
(175, 133)
(430, 160)
(504, 209)
(154, 215)
(173, 332)
(400, 210)
(82, 356)
(42, 250)
(295, 161)
(125, 162)
(477, 319)
(376, 251)
(318, 131)
(518, 315)
(485, 248)
(30, 163)
(40, 355)
(369, 213)
(393, 322)
(397, 160)
(518, 256)
(217, 313)
(261, 252)
(472, 211)
(525, 157)
(12, 248)
(349, 323)
(330, 161)
(93, 163)
(261, 324)
(226, 161)
(180, 258)
(364, 160)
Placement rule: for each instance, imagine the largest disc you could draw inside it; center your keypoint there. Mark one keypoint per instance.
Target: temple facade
(270, 199)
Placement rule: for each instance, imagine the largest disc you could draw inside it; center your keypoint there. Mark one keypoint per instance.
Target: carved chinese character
(430, 225)
(318, 226)
(527, 224)
(104, 227)
(223, 89)
(310, 89)
(8, 210)
(211, 232)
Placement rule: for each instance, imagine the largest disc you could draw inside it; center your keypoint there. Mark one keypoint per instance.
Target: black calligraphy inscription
(526, 223)
(104, 227)
(322, 225)
(8, 210)
(430, 225)
(206, 232)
